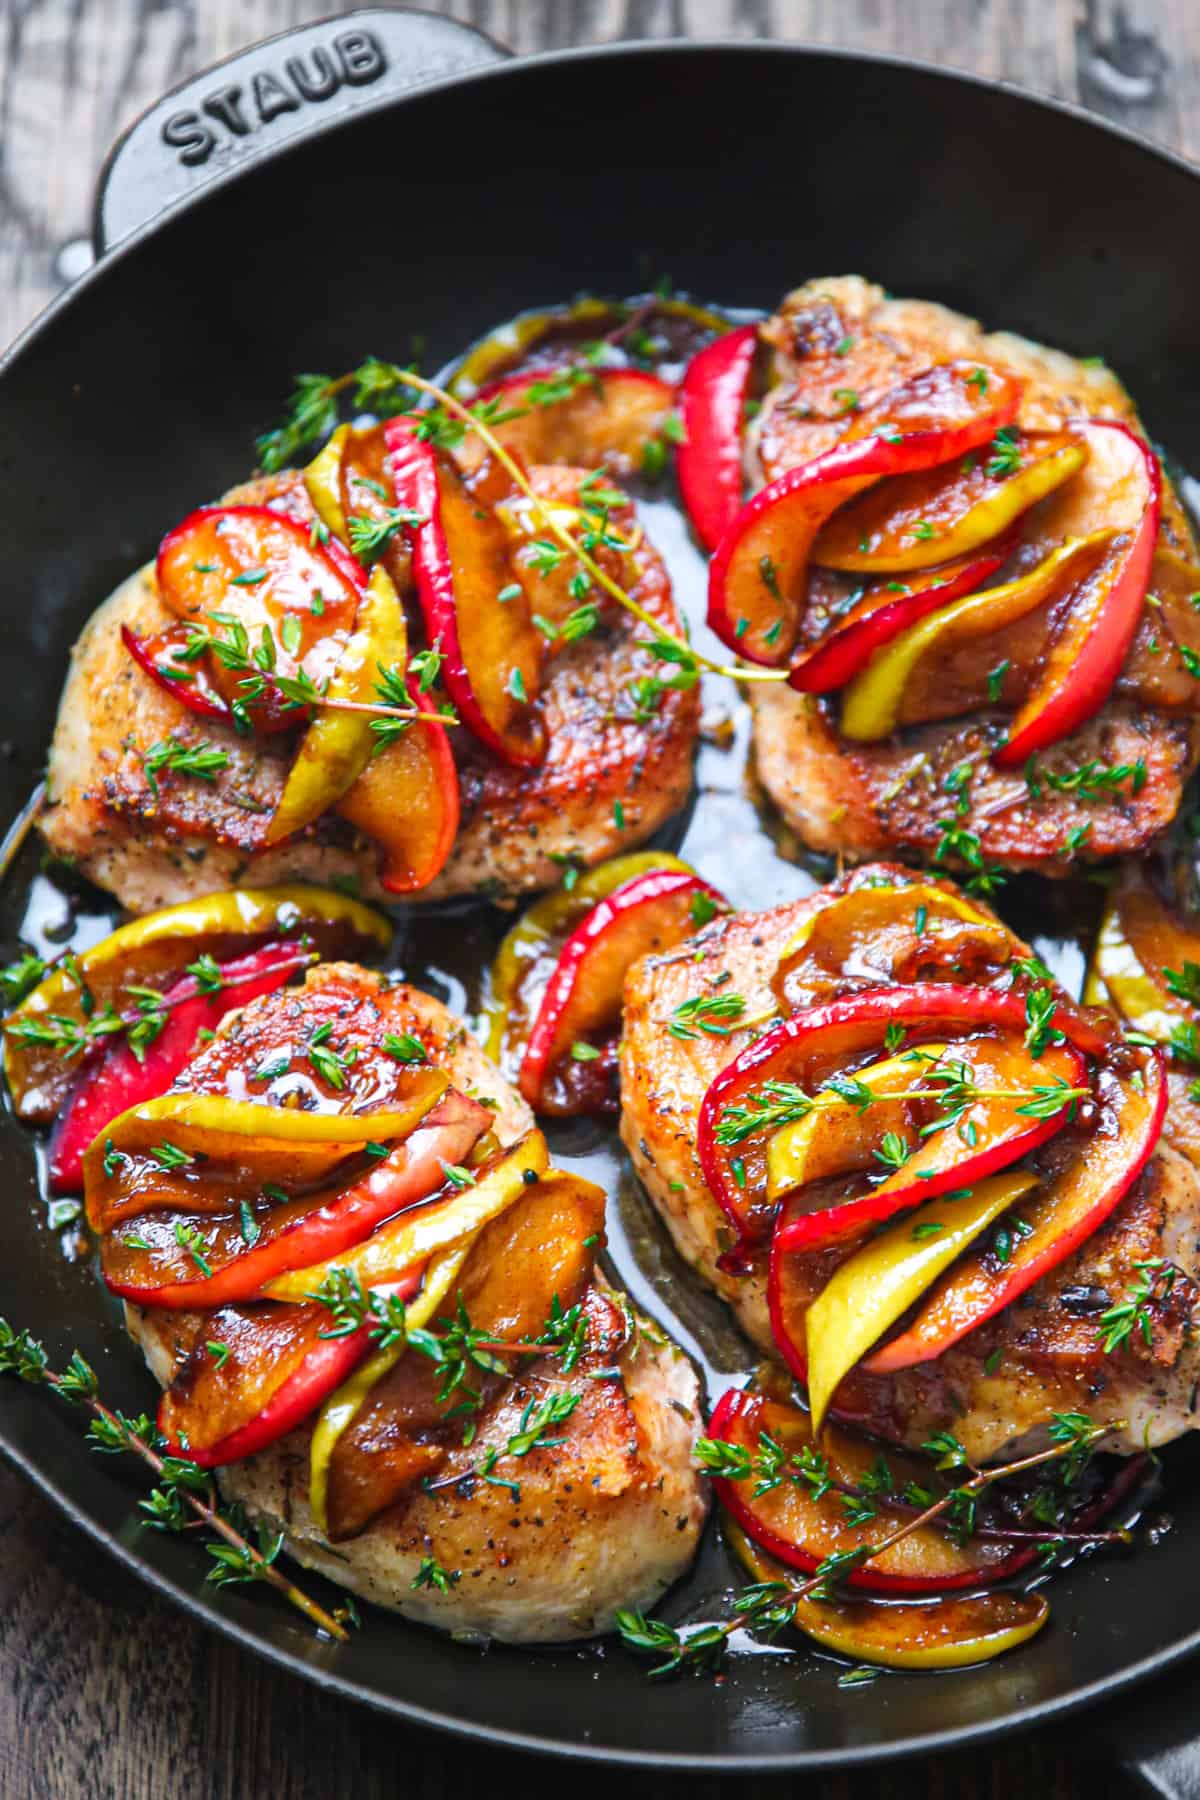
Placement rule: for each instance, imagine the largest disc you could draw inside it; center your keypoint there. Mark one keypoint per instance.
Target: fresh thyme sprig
(768, 1465)
(20, 978)
(72, 1037)
(59, 1032)
(713, 1014)
(1090, 781)
(951, 1085)
(775, 1103)
(1156, 1279)
(312, 414)
(258, 668)
(183, 1495)
(204, 760)
(770, 1606)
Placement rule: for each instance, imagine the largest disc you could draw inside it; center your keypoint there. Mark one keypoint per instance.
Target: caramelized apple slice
(279, 1367)
(1068, 1210)
(951, 1143)
(251, 581)
(123, 1076)
(578, 415)
(1090, 647)
(758, 576)
(791, 1523)
(203, 1152)
(475, 610)
(387, 1427)
(582, 1002)
(712, 407)
(915, 521)
(411, 1238)
(805, 1050)
(1139, 965)
(886, 609)
(82, 991)
(147, 1260)
(913, 931)
(841, 1134)
(891, 690)
(407, 801)
(529, 951)
(937, 1634)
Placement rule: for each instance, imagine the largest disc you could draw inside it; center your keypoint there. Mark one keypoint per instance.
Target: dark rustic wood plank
(74, 72)
(104, 1690)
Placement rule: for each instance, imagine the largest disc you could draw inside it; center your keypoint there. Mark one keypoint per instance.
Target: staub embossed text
(352, 58)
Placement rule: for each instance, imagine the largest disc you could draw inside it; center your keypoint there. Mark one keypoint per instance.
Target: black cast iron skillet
(248, 234)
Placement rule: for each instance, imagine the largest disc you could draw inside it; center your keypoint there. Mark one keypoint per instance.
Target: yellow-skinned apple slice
(915, 521)
(905, 1634)
(868, 1292)
(877, 700)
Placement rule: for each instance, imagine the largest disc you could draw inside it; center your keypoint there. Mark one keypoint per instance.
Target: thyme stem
(205, 1512)
(549, 523)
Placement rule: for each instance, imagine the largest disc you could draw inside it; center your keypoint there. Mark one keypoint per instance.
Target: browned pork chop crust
(1048, 1353)
(843, 335)
(608, 1517)
(154, 848)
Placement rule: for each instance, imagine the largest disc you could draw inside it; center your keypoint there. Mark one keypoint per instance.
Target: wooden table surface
(104, 1690)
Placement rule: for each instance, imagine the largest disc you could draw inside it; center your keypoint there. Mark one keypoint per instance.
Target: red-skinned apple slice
(260, 568)
(989, 1135)
(1087, 656)
(461, 563)
(758, 576)
(120, 1079)
(1073, 1206)
(186, 682)
(802, 1531)
(578, 415)
(883, 613)
(278, 1371)
(582, 1001)
(291, 1235)
(712, 408)
(814, 1044)
(407, 800)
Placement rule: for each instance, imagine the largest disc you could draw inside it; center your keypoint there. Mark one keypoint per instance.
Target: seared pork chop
(518, 826)
(1002, 1381)
(843, 336)
(607, 1517)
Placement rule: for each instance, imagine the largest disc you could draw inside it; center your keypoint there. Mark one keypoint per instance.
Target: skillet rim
(196, 1604)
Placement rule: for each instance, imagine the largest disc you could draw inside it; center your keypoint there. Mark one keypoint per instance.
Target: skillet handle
(1153, 1735)
(287, 87)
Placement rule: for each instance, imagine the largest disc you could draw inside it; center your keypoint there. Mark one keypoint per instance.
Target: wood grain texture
(104, 1691)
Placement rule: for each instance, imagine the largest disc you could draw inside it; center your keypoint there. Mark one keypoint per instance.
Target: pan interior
(735, 173)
